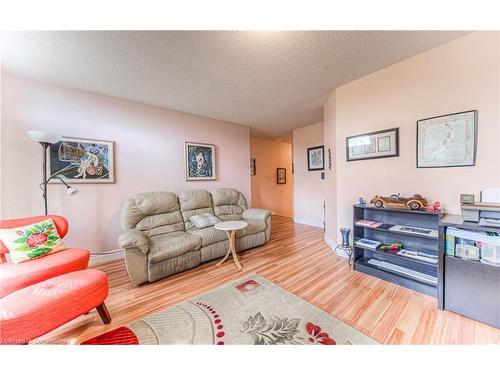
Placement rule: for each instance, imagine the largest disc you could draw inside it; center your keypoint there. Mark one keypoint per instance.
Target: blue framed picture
(200, 161)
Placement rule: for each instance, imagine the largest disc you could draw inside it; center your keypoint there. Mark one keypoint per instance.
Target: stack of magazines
(368, 223)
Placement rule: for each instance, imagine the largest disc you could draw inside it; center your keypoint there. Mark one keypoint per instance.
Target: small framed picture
(447, 141)
(374, 145)
(253, 167)
(200, 161)
(315, 158)
(281, 176)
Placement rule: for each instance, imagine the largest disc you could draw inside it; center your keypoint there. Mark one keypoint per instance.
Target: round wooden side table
(231, 227)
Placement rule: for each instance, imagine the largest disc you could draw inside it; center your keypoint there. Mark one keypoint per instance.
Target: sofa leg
(104, 313)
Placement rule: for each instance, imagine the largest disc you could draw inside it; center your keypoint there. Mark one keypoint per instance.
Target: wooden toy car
(396, 201)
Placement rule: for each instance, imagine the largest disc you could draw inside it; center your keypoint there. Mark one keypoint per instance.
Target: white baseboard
(330, 242)
(96, 258)
(312, 223)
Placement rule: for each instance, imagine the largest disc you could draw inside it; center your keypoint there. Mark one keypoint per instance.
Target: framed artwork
(316, 158)
(281, 176)
(84, 161)
(253, 167)
(374, 145)
(200, 161)
(447, 141)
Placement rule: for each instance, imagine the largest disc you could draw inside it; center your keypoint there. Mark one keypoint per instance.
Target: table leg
(232, 246)
(231, 235)
(228, 252)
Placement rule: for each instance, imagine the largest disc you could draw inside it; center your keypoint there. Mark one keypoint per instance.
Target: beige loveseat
(160, 240)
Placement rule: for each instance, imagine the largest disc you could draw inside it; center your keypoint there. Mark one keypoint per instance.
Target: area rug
(248, 311)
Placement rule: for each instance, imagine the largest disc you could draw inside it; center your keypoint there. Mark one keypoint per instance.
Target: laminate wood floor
(300, 261)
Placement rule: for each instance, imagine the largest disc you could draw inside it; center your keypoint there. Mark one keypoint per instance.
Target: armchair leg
(104, 313)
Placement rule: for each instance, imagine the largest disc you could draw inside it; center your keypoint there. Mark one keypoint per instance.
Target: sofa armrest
(134, 238)
(256, 214)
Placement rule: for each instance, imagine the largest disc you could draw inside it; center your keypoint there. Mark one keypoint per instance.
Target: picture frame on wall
(81, 161)
(281, 176)
(253, 167)
(316, 158)
(374, 145)
(200, 161)
(447, 141)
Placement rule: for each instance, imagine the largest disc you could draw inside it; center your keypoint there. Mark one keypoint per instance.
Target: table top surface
(231, 225)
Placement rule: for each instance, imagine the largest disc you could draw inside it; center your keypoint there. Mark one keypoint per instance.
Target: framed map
(374, 145)
(447, 141)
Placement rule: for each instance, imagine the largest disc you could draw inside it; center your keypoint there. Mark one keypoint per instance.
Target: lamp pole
(46, 140)
(45, 146)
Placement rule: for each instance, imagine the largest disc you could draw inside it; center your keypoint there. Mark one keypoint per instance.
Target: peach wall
(307, 185)
(149, 154)
(458, 76)
(266, 193)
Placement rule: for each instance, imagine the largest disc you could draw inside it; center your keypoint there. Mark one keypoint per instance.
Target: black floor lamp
(47, 139)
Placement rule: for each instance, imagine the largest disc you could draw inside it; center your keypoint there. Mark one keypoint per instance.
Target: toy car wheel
(414, 205)
(378, 203)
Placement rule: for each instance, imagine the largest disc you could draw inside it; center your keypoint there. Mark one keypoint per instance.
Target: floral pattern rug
(248, 311)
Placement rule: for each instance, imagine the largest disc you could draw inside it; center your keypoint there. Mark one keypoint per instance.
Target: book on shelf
(429, 258)
(432, 233)
(368, 223)
(369, 244)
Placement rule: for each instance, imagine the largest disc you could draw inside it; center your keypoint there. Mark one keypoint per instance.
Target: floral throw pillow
(31, 241)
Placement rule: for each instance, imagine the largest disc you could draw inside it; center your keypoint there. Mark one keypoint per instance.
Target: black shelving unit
(469, 288)
(410, 241)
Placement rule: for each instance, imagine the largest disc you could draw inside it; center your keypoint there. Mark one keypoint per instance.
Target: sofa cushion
(171, 245)
(161, 223)
(18, 276)
(229, 212)
(254, 226)
(159, 202)
(194, 199)
(194, 202)
(209, 235)
(229, 204)
(40, 308)
(223, 196)
(153, 213)
(148, 204)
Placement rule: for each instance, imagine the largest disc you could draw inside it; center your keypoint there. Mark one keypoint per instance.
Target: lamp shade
(43, 137)
(71, 190)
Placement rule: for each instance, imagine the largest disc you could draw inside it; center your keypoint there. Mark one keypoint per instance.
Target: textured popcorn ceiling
(272, 81)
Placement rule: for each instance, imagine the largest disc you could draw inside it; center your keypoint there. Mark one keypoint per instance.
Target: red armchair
(15, 276)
